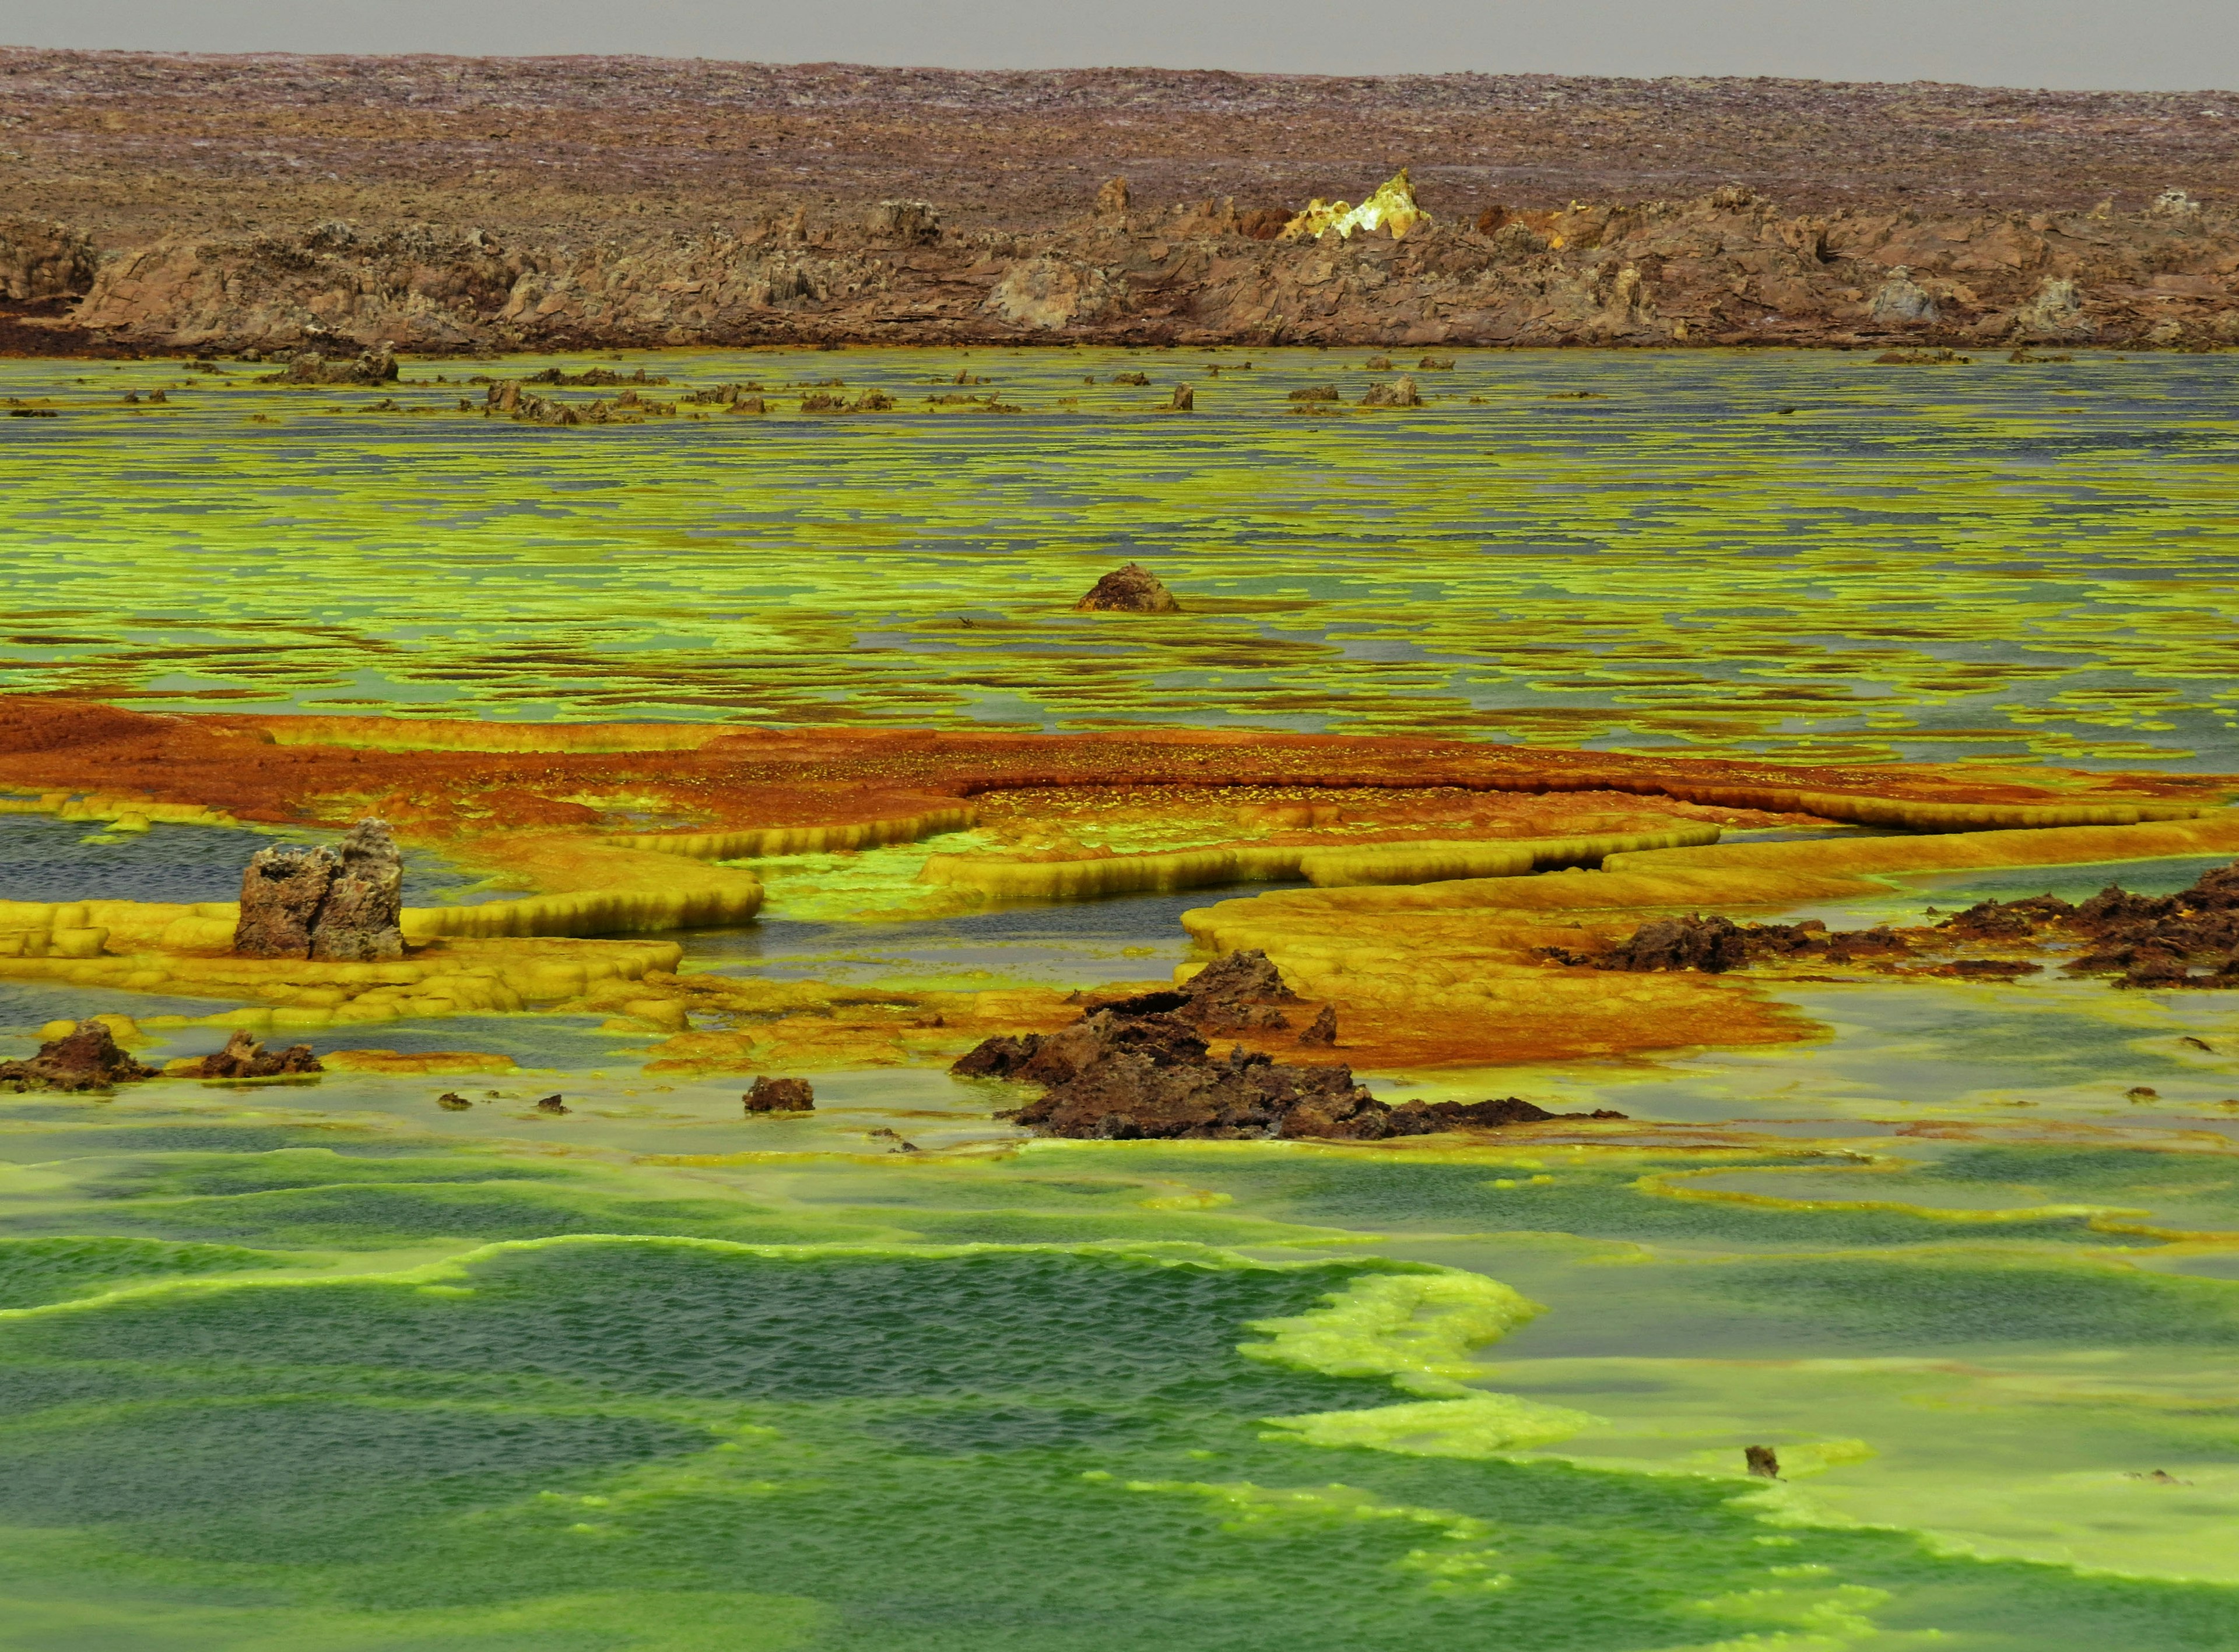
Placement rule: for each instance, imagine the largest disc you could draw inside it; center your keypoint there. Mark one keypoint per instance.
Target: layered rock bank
(338, 205)
(1726, 268)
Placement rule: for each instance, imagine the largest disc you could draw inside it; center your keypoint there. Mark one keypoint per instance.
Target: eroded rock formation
(1140, 1067)
(244, 1057)
(768, 1095)
(86, 1058)
(328, 903)
(1130, 589)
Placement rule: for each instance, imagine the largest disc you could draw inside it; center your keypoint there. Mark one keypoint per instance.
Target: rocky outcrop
(1727, 267)
(244, 1057)
(359, 920)
(1129, 589)
(341, 903)
(1401, 392)
(903, 223)
(1902, 302)
(40, 260)
(780, 1095)
(280, 894)
(376, 366)
(2187, 939)
(1712, 944)
(1140, 1067)
(86, 1058)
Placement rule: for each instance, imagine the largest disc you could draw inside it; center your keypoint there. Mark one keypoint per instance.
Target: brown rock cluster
(328, 903)
(1140, 1067)
(244, 1057)
(768, 1095)
(1130, 589)
(86, 1058)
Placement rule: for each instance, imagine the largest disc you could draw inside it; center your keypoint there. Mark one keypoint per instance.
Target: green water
(326, 1367)
(1997, 560)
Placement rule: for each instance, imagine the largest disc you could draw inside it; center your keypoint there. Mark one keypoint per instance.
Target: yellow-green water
(1998, 560)
(325, 1367)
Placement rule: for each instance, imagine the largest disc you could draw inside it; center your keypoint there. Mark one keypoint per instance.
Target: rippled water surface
(1801, 554)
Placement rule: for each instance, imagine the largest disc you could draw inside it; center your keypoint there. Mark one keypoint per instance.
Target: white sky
(2137, 45)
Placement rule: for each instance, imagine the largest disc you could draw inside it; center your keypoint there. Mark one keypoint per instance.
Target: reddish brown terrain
(271, 202)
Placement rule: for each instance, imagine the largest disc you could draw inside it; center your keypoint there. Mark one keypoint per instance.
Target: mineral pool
(316, 1367)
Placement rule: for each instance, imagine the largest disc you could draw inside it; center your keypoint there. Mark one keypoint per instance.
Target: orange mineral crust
(678, 787)
(1430, 935)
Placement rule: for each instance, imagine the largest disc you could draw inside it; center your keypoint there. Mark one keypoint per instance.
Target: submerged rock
(780, 1095)
(1400, 393)
(244, 1057)
(1131, 589)
(87, 1058)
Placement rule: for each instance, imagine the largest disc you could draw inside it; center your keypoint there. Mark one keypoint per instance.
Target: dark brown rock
(1713, 945)
(1132, 589)
(451, 1102)
(244, 1057)
(374, 366)
(358, 921)
(1321, 1032)
(86, 1058)
(280, 894)
(1763, 1462)
(1400, 393)
(552, 1103)
(780, 1095)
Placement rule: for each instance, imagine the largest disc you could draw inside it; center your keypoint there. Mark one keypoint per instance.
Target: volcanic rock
(1713, 945)
(1321, 1032)
(280, 894)
(244, 1057)
(1132, 589)
(1902, 302)
(358, 921)
(40, 260)
(323, 903)
(780, 1095)
(1400, 393)
(375, 366)
(87, 1058)
(1137, 1067)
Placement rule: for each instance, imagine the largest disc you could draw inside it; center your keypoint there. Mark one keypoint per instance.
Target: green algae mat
(280, 1382)
(1805, 555)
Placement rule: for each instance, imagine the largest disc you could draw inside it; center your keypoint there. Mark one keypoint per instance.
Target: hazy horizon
(2073, 45)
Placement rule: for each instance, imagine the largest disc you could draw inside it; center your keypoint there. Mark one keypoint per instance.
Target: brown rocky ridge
(1140, 1068)
(2187, 939)
(336, 205)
